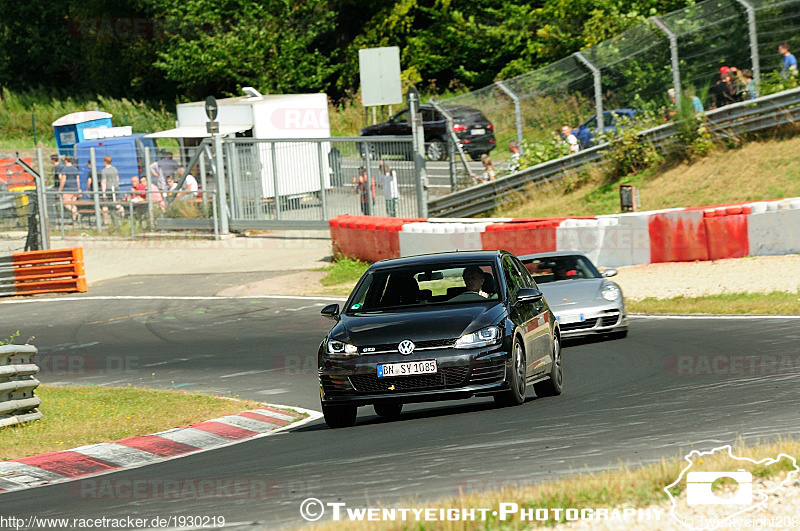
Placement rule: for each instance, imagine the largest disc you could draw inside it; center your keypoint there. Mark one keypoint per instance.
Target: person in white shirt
(189, 184)
(390, 189)
(570, 139)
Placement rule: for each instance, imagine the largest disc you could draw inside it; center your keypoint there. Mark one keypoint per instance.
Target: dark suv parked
(474, 132)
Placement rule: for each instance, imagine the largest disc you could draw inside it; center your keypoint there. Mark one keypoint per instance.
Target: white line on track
(702, 317)
(163, 297)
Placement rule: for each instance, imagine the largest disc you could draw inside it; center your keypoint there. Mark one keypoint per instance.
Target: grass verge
(80, 415)
(775, 303)
(344, 271)
(627, 486)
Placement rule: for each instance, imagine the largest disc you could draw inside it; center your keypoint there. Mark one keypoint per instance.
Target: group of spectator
(365, 189)
(165, 174)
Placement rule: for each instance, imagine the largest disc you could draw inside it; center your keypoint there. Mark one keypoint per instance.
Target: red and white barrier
(672, 235)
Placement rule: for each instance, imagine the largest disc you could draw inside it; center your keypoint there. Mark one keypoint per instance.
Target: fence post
(323, 191)
(223, 201)
(366, 147)
(203, 183)
(41, 189)
(598, 89)
(147, 176)
(93, 159)
(33, 126)
(673, 52)
(751, 26)
(517, 110)
(274, 153)
(418, 148)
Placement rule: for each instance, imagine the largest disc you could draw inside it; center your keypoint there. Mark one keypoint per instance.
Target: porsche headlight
(337, 349)
(482, 338)
(611, 292)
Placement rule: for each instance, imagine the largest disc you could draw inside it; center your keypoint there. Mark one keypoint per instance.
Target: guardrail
(744, 117)
(17, 385)
(52, 271)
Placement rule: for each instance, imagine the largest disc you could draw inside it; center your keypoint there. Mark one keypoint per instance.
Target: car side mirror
(331, 311)
(529, 295)
(610, 273)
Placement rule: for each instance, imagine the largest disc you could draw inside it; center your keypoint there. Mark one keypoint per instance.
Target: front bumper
(461, 374)
(592, 320)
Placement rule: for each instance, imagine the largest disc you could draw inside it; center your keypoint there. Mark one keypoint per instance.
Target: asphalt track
(672, 386)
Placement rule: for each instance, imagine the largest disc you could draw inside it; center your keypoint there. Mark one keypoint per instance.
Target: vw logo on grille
(406, 347)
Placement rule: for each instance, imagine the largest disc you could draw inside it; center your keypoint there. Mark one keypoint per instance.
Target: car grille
(392, 347)
(446, 377)
(588, 323)
(484, 372)
(610, 319)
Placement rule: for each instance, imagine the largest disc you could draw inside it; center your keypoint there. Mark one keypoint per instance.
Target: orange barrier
(726, 232)
(367, 237)
(678, 236)
(33, 272)
(522, 237)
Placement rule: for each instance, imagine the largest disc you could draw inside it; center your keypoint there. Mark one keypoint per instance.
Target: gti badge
(406, 347)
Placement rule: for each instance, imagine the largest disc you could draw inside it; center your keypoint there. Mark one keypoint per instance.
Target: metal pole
(323, 191)
(41, 188)
(418, 143)
(751, 25)
(598, 88)
(366, 149)
(223, 202)
(673, 51)
(98, 225)
(214, 215)
(149, 197)
(61, 209)
(233, 163)
(130, 208)
(277, 197)
(517, 110)
(203, 183)
(33, 126)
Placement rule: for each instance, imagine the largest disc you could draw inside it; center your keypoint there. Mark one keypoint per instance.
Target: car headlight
(482, 338)
(611, 292)
(337, 349)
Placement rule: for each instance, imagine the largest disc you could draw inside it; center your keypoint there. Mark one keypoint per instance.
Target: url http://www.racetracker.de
(129, 522)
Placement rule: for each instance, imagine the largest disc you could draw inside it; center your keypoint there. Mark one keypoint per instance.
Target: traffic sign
(211, 108)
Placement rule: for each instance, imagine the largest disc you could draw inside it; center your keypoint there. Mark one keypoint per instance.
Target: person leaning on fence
(570, 139)
(391, 191)
(69, 186)
(189, 188)
(489, 173)
(514, 162)
(788, 61)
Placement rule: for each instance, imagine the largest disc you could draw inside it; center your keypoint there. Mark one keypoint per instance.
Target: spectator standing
(570, 139)
(514, 162)
(166, 168)
(750, 84)
(57, 167)
(69, 186)
(109, 179)
(391, 191)
(789, 68)
(364, 189)
(155, 172)
(724, 92)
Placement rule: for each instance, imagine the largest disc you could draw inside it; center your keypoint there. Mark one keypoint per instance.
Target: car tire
(388, 409)
(339, 416)
(516, 395)
(553, 385)
(436, 150)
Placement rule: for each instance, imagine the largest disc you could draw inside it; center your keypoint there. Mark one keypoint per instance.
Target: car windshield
(425, 286)
(555, 268)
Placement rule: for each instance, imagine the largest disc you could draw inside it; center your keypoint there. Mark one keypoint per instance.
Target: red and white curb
(134, 452)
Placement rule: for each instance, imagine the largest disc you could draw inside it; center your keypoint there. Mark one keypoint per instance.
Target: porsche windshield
(424, 286)
(555, 268)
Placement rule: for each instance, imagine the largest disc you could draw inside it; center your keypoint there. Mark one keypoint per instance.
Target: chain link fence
(683, 50)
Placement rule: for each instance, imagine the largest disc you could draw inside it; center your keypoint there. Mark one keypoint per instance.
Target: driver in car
(474, 278)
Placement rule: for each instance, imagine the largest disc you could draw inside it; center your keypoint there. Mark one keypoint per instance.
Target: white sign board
(380, 76)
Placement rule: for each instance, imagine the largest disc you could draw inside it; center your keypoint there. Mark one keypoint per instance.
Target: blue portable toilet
(69, 129)
(127, 156)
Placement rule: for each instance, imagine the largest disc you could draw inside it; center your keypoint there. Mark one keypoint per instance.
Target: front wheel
(553, 385)
(516, 395)
(339, 416)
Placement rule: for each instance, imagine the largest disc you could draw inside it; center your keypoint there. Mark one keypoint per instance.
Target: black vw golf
(438, 327)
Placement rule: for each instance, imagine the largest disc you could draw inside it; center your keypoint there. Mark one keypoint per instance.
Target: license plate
(478, 131)
(567, 319)
(408, 368)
